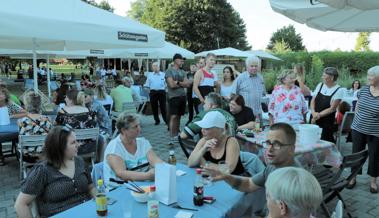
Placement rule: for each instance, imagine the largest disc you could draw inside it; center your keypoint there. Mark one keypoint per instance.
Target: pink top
(287, 105)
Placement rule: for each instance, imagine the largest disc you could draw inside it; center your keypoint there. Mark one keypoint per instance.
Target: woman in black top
(325, 103)
(216, 146)
(60, 182)
(243, 115)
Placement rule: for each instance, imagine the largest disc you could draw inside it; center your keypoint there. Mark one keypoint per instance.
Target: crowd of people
(218, 108)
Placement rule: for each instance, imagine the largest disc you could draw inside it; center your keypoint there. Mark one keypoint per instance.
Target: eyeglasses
(275, 144)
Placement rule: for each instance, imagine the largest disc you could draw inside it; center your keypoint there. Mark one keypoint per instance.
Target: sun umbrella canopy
(70, 25)
(264, 55)
(165, 52)
(232, 52)
(350, 16)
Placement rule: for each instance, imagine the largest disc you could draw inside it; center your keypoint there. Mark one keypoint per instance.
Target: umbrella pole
(129, 64)
(35, 66)
(48, 75)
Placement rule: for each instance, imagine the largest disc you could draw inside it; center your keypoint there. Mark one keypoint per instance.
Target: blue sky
(261, 21)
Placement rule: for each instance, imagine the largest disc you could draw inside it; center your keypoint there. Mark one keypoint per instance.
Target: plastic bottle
(152, 204)
(198, 189)
(101, 199)
(257, 124)
(172, 158)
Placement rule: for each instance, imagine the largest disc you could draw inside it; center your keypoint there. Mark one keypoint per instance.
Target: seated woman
(215, 146)
(292, 192)
(34, 123)
(14, 110)
(102, 97)
(342, 108)
(58, 183)
(287, 102)
(126, 154)
(75, 115)
(244, 115)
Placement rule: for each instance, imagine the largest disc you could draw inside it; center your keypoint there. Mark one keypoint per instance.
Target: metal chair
(345, 127)
(187, 146)
(332, 183)
(85, 134)
(28, 142)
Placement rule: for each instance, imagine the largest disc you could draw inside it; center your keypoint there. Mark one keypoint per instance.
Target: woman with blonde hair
(287, 102)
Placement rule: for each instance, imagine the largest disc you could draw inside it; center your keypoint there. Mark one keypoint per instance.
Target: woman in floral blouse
(287, 103)
(14, 110)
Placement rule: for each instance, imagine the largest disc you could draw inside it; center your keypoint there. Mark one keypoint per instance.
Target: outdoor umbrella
(264, 55)
(69, 25)
(339, 15)
(232, 52)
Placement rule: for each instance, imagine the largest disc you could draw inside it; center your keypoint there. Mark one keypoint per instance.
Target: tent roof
(71, 25)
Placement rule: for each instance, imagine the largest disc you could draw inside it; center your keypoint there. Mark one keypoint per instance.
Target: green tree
(197, 25)
(136, 9)
(363, 42)
(281, 47)
(103, 5)
(288, 35)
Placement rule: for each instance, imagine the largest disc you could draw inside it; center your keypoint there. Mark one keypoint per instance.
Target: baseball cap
(178, 56)
(88, 91)
(212, 119)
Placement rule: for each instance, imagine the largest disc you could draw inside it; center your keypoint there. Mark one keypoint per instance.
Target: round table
(8, 133)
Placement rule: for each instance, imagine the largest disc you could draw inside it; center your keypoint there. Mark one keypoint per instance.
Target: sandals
(373, 190)
(351, 185)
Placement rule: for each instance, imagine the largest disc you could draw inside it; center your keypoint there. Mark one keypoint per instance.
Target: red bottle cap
(198, 171)
(152, 188)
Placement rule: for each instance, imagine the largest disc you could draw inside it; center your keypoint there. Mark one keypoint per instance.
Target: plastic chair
(251, 162)
(332, 183)
(90, 133)
(345, 127)
(29, 143)
(338, 212)
(97, 173)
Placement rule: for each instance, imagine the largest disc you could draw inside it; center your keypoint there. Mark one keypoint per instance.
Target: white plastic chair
(97, 173)
(90, 133)
(338, 212)
(26, 142)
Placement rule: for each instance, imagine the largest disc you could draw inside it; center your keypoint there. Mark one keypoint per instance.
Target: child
(342, 108)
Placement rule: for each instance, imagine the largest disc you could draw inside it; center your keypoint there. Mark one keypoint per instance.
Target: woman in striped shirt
(365, 127)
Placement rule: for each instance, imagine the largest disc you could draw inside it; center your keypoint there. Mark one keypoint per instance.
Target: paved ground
(360, 202)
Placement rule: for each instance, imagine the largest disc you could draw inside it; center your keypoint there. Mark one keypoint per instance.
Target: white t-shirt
(226, 91)
(108, 100)
(116, 147)
(329, 91)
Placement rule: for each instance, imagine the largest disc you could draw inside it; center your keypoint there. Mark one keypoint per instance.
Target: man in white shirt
(156, 83)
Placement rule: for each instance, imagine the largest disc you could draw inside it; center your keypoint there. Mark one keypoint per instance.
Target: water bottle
(172, 158)
(101, 199)
(257, 123)
(152, 204)
(198, 189)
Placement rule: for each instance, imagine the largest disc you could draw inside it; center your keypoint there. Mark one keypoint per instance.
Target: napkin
(180, 173)
(183, 214)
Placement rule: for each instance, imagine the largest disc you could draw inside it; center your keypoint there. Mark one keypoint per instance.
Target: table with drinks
(219, 200)
(319, 152)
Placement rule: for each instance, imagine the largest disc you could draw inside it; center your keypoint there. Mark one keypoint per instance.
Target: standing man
(156, 84)
(176, 81)
(250, 84)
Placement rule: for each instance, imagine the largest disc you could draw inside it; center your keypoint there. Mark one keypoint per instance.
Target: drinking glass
(207, 179)
(223, 167)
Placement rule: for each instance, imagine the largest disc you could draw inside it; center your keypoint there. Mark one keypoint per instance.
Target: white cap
(212, 119)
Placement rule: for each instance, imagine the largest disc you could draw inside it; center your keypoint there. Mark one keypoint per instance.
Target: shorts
(177, 105)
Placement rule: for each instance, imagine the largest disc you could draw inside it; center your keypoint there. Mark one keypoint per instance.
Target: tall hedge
(355, 62)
